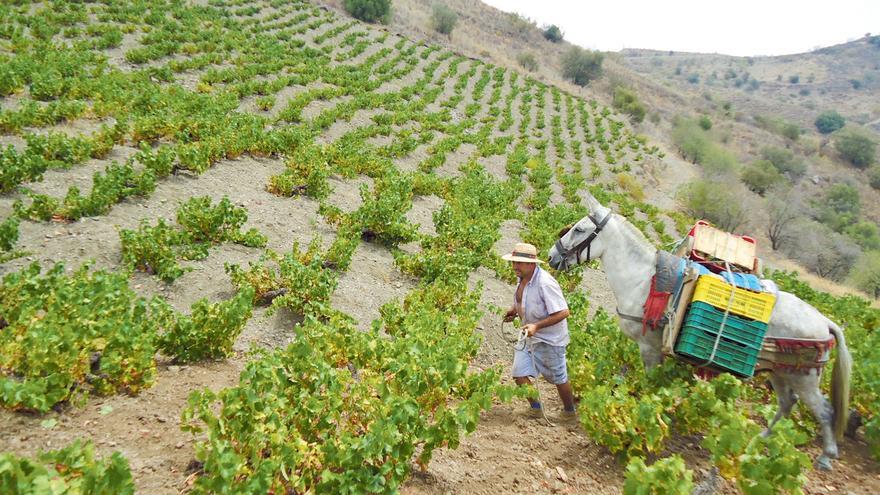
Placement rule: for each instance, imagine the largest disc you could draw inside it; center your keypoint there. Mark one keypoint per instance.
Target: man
(541, 307)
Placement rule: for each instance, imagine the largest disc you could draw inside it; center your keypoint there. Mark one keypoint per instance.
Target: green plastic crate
(739, 345)
(743, 330)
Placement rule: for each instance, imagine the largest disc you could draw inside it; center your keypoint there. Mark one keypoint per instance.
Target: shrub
(874, 176)
(629, 184)
(779, 126)
(210, 331)
(693, 78)
(581, 66)
(794, 79)
(790, 131)
(692, 142)
(866, 273)
(519, 23)
(715, 201)
(784, 161)
(705, 123)
(855, 147)
(821, 250)
(668, 475)
(719, 160)
(840, 207)
(856, 84)
(553, 33)
(369, 10)
(626, 101)
(865, 233)
(760, 176)
(830, 121)
(72, 469)
(443, 18)
(528, 61)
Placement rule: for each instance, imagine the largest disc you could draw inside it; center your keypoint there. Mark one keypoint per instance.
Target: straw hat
(524, 253)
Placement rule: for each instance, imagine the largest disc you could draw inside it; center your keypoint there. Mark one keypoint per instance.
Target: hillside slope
(739, 94)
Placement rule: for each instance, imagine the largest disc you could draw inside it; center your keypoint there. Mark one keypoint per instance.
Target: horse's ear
(592, 203)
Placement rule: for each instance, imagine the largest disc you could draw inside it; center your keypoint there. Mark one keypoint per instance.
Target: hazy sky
(742, 27)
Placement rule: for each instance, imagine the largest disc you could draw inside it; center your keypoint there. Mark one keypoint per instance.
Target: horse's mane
(636, 235)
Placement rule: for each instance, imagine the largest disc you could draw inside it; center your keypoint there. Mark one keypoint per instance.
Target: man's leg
(525, 381)
(522, 370)
(566, 395)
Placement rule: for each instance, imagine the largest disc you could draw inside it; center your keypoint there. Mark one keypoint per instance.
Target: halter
(600, 224)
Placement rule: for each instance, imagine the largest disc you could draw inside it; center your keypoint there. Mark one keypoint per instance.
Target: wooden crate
(714, 244)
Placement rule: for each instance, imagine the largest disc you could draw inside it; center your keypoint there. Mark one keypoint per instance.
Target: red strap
(655, 306)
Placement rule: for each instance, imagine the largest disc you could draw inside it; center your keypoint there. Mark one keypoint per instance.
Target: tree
(553, 33)
(866, 273)
(855, 147)
(369, 10)
(830, 121)
(760, 176)
(715, 201)
(443, 18)
(821, 250)
(581, 66)
(784, 206)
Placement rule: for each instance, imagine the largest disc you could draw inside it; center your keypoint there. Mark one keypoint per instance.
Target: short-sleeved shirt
(542, 297)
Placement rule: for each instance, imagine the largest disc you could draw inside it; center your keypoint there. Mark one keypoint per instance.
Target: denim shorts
(549, 361)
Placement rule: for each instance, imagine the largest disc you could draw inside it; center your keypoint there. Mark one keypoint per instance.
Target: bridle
(600, 224)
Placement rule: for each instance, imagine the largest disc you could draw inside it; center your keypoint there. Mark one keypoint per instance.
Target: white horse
(628, 260)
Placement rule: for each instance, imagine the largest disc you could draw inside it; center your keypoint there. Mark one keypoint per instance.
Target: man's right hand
(509, 316)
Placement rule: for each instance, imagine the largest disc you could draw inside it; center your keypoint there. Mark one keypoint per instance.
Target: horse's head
(581, 242)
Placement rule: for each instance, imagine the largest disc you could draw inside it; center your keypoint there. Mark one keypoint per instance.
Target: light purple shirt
(542, 297)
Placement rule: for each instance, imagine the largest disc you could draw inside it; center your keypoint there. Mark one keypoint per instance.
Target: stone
(560, 473)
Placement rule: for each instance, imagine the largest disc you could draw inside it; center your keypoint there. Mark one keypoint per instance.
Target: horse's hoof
(823, 463)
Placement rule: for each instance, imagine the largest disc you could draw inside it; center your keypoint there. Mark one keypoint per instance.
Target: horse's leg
(809, 393)
(651, 355)
(785, 397)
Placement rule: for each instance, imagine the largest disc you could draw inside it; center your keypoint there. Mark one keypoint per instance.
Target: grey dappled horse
(628, 260)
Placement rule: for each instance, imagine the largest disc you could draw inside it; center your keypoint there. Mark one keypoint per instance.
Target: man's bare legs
(564, 390)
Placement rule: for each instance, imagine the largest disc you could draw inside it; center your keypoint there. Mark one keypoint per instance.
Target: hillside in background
(758, 108)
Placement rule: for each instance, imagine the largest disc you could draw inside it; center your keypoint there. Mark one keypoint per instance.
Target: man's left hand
(531, 329)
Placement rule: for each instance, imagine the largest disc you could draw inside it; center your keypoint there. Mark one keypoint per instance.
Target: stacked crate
(731, 343)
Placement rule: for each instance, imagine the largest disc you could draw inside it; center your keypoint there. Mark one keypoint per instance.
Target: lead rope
(724, 319)
(524, 343)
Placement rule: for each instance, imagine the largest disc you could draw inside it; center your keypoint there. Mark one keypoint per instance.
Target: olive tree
(581, 66)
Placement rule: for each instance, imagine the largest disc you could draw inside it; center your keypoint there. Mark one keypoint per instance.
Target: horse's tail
(840, 381)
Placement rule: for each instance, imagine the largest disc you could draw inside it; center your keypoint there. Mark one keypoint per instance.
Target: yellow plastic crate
(755, 305)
